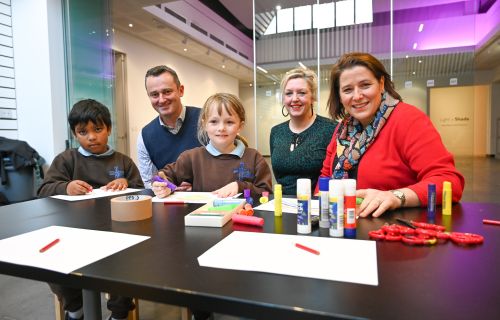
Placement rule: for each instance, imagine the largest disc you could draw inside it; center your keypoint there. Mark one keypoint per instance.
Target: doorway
(120, 125)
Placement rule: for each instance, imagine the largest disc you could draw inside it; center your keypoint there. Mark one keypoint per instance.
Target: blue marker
(223, 202)
(431, 201)
(170, 185)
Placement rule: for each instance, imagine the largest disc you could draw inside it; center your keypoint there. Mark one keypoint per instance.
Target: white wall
(39, 72)
(199, 80)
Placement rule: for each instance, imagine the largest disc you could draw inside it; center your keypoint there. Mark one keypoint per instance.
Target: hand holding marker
(162, 178)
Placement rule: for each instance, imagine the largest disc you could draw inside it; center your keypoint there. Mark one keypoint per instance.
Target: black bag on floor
(20, 170)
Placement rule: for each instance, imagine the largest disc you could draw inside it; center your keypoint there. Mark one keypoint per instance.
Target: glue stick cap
(303, 186)
(246, 193)
(349, 187)
(323, 183)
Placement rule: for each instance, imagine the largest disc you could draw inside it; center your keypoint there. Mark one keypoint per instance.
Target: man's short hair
(156, 71)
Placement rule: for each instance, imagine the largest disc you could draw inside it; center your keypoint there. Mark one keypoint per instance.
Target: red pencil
(50, 245)
(173, 202)
(303, 247)
(495, 222)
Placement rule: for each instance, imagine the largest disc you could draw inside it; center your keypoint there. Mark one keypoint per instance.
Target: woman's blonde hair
(299, 73)
(230, 103)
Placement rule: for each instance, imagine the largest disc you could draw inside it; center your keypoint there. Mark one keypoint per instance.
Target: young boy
(77, 171)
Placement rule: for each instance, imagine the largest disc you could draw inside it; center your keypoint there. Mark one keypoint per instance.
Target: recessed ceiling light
(251, 84)
(223, 66)
(419, 61)
(413, 72)
(185, 49)
(414, 46)
(406, 56)
(130, 25)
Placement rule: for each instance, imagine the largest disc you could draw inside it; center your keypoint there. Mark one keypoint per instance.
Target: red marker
(50, 245)
(173, 202)
(495, 222)
(303, 247)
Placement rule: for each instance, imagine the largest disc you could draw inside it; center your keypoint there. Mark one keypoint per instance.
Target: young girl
(225, 165)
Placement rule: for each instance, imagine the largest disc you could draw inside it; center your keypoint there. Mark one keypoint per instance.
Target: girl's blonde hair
(230, 103)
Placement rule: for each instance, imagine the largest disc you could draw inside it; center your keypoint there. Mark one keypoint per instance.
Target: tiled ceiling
(152, 29)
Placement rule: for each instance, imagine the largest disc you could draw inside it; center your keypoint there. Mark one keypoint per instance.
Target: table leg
(92, 304)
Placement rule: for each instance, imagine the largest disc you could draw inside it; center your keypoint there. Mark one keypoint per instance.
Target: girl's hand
(185, 186)
(117, 184)
(228, 190)
(78, 187)
(160, 189)
(376, 202)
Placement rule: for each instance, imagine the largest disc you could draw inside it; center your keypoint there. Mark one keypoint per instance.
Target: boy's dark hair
(89, 110)
(156, 71)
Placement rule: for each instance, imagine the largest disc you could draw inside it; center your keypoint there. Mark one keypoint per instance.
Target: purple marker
(170, 185)
(431, 201)
(248, 197)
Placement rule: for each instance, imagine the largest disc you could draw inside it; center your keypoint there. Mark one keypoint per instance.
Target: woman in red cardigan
(390, 147)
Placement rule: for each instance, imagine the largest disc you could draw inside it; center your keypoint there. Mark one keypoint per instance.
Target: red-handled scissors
(420, 233)
(466, 238)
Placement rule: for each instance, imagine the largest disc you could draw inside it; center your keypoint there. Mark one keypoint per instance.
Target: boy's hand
(228, 190)
(160, 189)
(117, 184)
(78, 187)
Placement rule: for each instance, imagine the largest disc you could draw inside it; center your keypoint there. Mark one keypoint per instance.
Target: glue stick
(336, 208)
(324, 221)
(446, 204)
(349, 208)
(277, 200)
(303, 205)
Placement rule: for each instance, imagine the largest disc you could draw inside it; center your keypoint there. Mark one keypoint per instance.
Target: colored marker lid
(324, 183)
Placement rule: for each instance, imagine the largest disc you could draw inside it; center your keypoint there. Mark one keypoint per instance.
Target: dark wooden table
(445, 281)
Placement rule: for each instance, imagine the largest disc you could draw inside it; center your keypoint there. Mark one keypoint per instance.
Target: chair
(59, 310)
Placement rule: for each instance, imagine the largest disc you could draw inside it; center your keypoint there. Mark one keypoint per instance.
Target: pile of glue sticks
(420, 233)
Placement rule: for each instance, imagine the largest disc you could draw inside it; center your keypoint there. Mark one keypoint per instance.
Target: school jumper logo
(117, 173)
(243, 173)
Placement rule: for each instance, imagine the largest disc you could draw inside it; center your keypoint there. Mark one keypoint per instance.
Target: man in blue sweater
(173, 131)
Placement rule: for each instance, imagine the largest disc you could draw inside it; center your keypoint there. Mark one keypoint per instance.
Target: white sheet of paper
(96, 193)
(191, 197)
(289, 205)
(76, 248)
(339, 259)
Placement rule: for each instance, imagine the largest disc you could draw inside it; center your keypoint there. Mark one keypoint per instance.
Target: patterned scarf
(353, 140)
